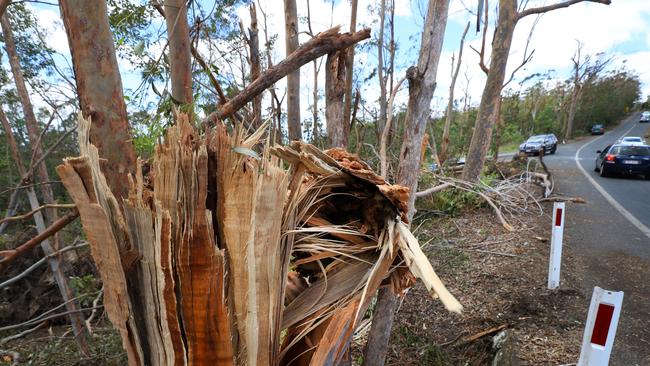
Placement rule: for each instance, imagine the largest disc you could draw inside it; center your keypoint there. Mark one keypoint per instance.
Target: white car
(632, 140)
(645, 117)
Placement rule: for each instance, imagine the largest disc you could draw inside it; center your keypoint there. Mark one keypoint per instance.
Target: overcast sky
(621, 29)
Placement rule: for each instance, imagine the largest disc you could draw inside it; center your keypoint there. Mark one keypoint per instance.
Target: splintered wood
(223, 256)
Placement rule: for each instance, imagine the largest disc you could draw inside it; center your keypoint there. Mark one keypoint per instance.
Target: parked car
(625, 158)
(538, 144)
(597, 130)
(632, 140)
(645, 117)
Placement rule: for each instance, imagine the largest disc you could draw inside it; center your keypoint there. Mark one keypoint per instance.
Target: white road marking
(633, 220)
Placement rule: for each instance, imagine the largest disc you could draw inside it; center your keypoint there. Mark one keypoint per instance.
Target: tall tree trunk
(347, 109)
(500, 125)
(422, 83)
(100, 87)
(335, 73)
(486, 117)
(256, 69)
(180, 58)
(28, 112)
(444, 146)
(293, 79)
(573, 106)
(76, 317)
(380, 71)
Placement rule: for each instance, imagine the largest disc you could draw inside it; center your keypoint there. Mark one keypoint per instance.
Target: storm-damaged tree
(422, 83)
(293, 79)
(508, 16)
(585, 71)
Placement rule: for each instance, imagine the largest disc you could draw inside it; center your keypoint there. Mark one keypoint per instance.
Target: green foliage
(86, 287)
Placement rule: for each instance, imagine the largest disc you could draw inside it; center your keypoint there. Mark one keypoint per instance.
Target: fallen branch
(482, 334)
(325, 42)
(563, 199)
(57, 315)
(432, 190)
(11, 255)
(32, 212)
(38, 263)
(495, 253)
(22, 334)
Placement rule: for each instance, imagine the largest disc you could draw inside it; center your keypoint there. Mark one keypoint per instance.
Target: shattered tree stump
(220, 256)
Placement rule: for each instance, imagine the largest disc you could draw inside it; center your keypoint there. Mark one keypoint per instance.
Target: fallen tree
(222, 256)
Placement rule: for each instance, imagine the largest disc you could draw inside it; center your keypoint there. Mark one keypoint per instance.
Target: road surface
(610, 234)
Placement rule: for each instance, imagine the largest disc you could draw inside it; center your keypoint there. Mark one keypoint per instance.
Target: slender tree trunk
(100, 87)
(422, 82)
(314, 110)
(28, 112)
(180, 58)
(293, 79)
(573, 106)
(76, 317)
(444, 146)
(500, 126)
(347, 109)
(276, 108)
(380, 71)
(486, 117)
(335, 71)
(256, 69)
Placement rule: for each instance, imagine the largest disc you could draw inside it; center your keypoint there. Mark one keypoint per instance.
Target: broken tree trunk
(256, 68)
(99, 87)
(324, 43)
(422, 82)
(225, 257)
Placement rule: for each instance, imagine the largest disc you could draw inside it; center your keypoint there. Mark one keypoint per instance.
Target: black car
(633, 159)
(597, 130)
(538, 144)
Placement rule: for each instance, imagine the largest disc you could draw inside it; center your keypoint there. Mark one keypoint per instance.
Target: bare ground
(500, 278)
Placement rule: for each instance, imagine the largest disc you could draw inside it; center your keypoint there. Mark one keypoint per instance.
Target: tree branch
(324, 43)
(11, 255)
(31, 213)
(565, 4)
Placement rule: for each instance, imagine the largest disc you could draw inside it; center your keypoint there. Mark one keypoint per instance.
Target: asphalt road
(610, 234)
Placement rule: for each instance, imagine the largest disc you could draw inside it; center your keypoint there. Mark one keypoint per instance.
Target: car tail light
(609, 157)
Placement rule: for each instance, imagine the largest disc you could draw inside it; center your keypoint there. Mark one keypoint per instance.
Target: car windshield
(631, 150)
(632, 139)
(536, 139)
(597, 126)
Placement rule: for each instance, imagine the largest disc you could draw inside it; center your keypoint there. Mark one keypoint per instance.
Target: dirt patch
(500, 278)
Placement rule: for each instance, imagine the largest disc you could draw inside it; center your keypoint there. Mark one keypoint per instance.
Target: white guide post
(555, 261)
(600, 329)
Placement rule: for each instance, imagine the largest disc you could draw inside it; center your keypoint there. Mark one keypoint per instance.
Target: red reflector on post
(601, 326)
(558, 217)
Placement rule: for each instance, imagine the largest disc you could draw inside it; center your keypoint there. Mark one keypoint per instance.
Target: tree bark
(180, 61)
(3, 6)
(100, 87)
(381, 122)
(444, 146)
(347, 109)
(486, 117)
(293, 79)
(28, 112)
(573, 106)
(256, 69)
(422, 83)
(335, 74)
